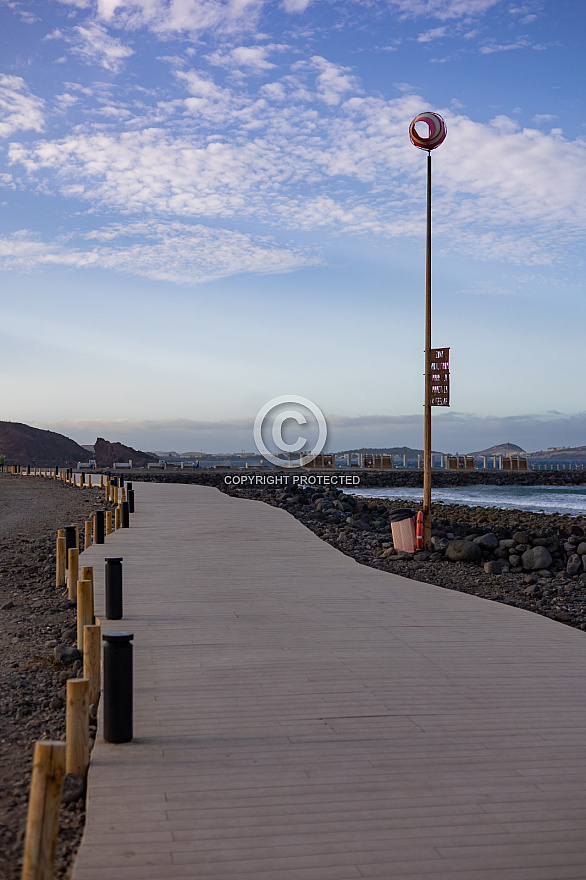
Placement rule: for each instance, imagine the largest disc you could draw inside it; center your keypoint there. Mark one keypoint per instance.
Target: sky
(208, 204)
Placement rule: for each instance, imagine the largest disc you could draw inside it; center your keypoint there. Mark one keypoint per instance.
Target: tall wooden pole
(427, 404)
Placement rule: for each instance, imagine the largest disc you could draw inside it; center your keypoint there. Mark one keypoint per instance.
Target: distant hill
(560, 453)
(387, 450)
(501, 449)
(21, 444)
(106, 454)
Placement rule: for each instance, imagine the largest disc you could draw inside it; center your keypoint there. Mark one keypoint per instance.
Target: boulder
(496, 566)
(521, 537)
(463, 551)
(574, 564)
(487, 542)
(536, 558)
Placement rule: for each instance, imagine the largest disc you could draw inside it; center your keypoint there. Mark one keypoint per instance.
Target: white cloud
(252, 59)
(20, 110)
(432, 34)
(333, 81)
(443, 9)
(295, 5)
(94, 45)
(169, 17)
(172, 252)
(311, 152)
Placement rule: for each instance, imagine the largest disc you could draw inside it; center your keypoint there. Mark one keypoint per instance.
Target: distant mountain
(501, 449)
(387, 450)
(21, 444)
(560, 453)
(106, 454)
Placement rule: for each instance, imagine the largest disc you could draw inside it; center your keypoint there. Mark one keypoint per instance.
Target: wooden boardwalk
(301, 717)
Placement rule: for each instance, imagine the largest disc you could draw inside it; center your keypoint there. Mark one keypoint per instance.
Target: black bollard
(117, 687)
(82, 479)
(70, 538)
(100, 530)
(125, 509)
(114, 587)
(128, 486)
(130, 496)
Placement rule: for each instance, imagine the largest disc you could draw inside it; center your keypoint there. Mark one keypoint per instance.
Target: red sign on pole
(440, 376)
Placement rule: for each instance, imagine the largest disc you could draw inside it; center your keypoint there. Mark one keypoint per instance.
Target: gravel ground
(34, 617)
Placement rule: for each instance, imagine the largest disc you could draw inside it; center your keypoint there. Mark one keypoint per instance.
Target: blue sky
(206, 204)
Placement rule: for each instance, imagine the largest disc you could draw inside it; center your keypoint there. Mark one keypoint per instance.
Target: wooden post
(77, 728)
(60, 579)
(117, 517)
(87, 574)
(88, 534)
(85, 615)
(108, 522)
(114, 494)
(101, 481)
(72, 572)
(122, 494)
(42, 824)
(92, 639)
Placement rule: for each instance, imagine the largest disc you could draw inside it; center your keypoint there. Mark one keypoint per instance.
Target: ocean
(567, 500)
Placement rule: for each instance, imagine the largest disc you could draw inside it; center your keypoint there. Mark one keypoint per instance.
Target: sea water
(567, 500)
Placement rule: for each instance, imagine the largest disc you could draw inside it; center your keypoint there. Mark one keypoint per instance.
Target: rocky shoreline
(35, 618)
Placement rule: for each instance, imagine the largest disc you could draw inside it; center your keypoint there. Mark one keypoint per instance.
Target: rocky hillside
(501, 449)
(106, 454)
(21, 444)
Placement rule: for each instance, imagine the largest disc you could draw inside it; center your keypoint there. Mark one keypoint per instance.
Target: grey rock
(507, 543)
(536, 558)
(73, 788)
(496, 566)
(487, 542)
(439, 543)
(533, 590)
(521, 537)
(463, 551)
(361, 525)
(581, 548)
(514, 560)
(544, 573)
(574, 564)
(64, 654)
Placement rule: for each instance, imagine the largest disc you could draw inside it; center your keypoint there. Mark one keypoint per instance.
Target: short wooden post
(42, 824)
(85, 615)
(60, 578)
(72, 572)
(108, 522)
(77, 728)
(122, 494)
(92, 638)
(114, 494)
(88, 534)
(101, 480)
(87, 574)
(117, 517)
